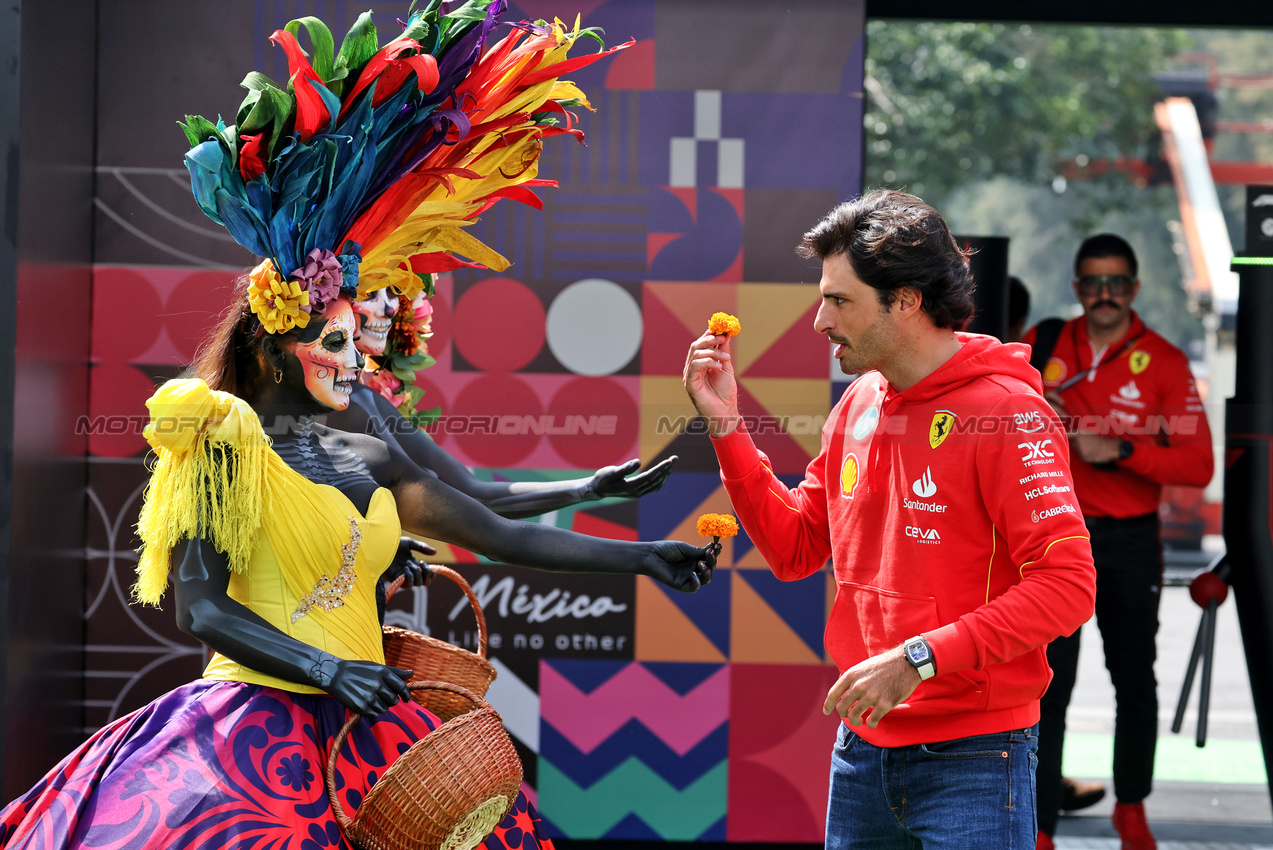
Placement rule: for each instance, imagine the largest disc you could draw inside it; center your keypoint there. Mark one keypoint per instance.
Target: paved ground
(1214, 797)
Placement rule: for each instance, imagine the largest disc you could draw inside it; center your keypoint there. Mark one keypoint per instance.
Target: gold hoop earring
(278, 376)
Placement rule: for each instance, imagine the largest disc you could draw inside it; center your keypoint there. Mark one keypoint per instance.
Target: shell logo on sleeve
(849, 476)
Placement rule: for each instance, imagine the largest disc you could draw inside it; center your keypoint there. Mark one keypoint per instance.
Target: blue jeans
(967, 793)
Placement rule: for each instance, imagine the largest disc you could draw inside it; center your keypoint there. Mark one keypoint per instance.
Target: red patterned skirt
(216, 765)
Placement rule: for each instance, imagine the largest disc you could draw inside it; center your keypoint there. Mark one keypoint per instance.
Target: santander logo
(924, 486)
(1129, 391)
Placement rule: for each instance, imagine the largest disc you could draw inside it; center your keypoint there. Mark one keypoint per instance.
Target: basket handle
(397, 583)
(344, 820)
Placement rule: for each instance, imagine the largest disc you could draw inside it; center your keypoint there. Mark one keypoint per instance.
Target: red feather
(436, 262)
(311, 112)
(250, 164)
(391, 69)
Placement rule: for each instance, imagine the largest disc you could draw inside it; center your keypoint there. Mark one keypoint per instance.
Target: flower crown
(367, 168)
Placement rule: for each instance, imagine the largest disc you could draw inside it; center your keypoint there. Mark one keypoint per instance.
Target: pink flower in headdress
(386, 383)
(321, 276)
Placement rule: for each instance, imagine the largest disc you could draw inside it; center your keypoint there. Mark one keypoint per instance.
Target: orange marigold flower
(723, 323)
(717, 525)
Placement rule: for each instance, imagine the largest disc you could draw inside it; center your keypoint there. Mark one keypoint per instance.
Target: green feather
(199, 129)
(360, 44)
(320, 38)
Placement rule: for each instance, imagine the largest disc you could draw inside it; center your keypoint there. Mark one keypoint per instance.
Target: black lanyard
(1110, 359)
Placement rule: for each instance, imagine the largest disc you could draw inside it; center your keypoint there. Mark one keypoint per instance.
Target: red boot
(1133, 829)
(1044, 842)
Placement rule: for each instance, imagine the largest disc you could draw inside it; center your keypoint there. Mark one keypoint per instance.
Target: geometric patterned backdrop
(725, 132)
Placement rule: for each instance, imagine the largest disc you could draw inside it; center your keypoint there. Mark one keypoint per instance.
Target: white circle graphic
(594, 327)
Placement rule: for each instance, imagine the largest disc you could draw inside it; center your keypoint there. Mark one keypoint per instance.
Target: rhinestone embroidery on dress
(328, 592)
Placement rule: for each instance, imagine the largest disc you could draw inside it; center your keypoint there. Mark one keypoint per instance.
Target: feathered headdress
(364, 171)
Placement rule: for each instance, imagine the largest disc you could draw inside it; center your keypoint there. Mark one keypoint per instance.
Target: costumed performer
(274, 552)
(276, 557)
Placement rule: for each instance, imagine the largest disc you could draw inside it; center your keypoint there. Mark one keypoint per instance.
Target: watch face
(917, 652)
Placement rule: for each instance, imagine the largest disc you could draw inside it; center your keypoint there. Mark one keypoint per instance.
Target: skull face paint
(375, 318)
(330, 360)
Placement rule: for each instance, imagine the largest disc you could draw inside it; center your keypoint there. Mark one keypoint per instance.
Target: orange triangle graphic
(664, 633)
(694, 303)
(758, 635)
(753, 560)
(806, 401)
(768, 312)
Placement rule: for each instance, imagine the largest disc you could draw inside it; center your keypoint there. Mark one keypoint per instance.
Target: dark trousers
(1128, 556)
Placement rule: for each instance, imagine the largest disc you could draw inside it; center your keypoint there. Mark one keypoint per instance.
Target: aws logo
(923, 535)
(849, 475)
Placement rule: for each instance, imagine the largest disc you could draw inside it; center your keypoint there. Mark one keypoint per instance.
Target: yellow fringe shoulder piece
(209, 480)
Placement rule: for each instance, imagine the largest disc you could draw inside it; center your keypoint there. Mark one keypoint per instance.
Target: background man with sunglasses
(1135, 421)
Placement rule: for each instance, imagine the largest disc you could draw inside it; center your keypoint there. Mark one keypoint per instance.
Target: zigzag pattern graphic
(634, 741)
(633, 789)
(680, 722)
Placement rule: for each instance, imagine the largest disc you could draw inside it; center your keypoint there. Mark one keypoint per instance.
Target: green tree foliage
(951, 103)
(985, 120)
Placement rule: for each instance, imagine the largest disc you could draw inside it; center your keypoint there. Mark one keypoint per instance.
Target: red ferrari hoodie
(948, 511)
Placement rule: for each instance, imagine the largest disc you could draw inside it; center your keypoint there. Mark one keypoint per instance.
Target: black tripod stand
(1209, 588)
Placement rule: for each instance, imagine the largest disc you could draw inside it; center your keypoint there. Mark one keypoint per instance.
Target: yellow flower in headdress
(280, 304)
(723, 323)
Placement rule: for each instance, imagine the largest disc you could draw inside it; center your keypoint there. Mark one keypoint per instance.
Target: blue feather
(205, 177)
(243, 223)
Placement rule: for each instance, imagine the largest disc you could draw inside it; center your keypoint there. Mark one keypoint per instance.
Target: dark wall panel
(51, 288)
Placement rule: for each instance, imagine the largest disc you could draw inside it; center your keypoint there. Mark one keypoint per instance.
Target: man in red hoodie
(1136, 423)
(942, 494)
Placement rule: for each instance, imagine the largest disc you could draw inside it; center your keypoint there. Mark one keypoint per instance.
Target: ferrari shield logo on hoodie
(939, 430)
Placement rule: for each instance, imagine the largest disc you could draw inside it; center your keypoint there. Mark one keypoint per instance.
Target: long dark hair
(229, 359)
(894, 240)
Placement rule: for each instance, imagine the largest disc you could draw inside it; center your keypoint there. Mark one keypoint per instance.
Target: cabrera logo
(1048, 513)
(849, 476)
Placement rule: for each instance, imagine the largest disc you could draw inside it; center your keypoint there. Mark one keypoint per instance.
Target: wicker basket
(436, 660)
(447, 792)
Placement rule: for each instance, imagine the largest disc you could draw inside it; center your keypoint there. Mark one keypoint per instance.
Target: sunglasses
(1117, 284)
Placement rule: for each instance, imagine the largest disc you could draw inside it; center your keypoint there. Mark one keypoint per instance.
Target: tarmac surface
(1216, 797)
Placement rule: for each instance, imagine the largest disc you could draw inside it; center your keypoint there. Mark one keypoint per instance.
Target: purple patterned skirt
(215, 765)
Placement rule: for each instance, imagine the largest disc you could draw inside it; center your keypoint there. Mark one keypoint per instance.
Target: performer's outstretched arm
(371, 413)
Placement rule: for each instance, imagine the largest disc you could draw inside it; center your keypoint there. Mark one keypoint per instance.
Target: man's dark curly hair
(893, 240)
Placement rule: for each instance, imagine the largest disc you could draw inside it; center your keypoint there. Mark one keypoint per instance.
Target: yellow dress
(307, 561)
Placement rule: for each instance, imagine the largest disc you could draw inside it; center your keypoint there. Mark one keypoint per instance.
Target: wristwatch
(1125, 449)
(920, 656)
